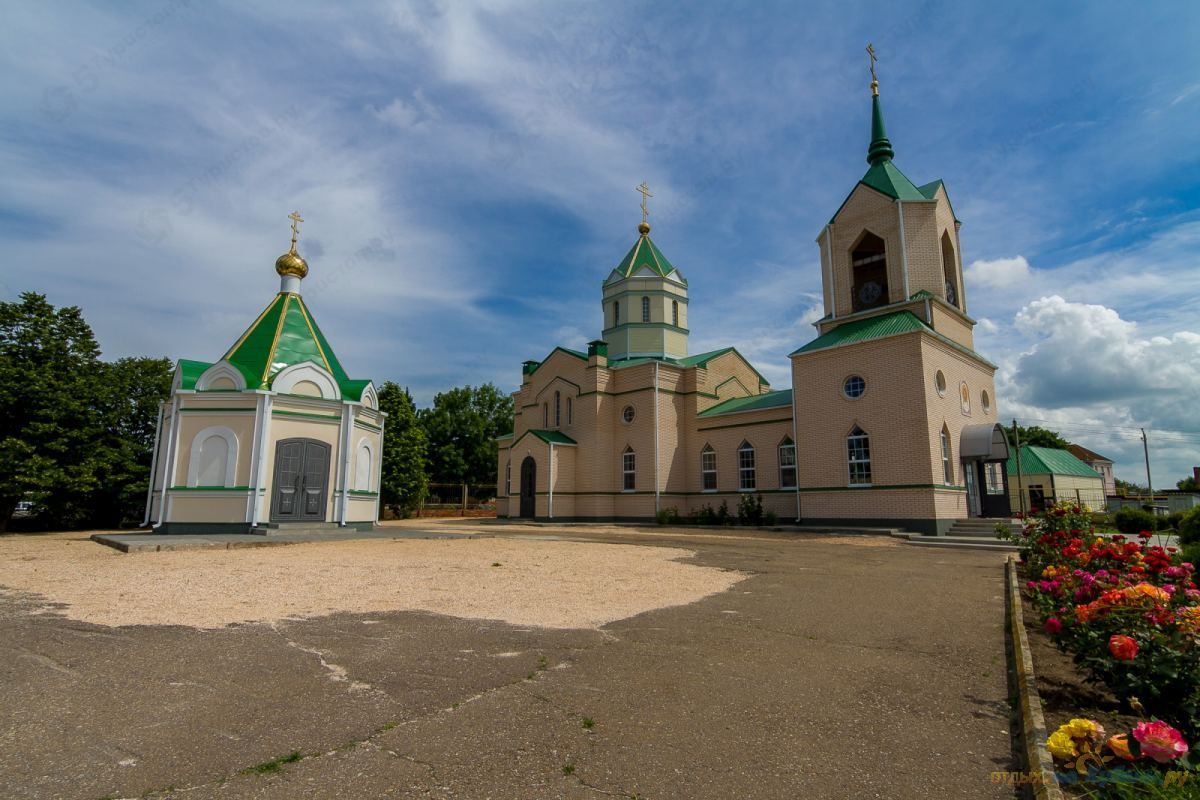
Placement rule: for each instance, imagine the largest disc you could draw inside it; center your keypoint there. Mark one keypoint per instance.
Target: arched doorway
(528, 487)
(300, 480)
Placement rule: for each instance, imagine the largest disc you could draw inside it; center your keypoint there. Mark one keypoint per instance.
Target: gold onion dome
(644, 228)
(290, 263)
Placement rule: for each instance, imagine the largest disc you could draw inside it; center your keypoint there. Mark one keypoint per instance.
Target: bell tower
(645, 301)
(892, 243)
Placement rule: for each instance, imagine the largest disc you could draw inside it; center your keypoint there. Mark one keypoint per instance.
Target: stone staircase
(295, 528)
(970, 534)
(981, 527)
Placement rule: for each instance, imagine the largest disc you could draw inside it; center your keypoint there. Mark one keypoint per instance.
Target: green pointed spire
(881, 147)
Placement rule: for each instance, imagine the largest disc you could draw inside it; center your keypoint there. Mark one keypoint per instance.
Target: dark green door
(301, 479)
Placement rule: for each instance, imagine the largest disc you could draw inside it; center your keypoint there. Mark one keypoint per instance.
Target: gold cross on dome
(296, 220)
(874, 58)
(645, 190)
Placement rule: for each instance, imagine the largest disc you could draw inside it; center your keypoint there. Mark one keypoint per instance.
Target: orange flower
(1123, 648)
(1119, 745)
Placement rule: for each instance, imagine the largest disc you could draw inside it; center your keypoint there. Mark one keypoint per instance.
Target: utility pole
(1020, 479)
(1146, 452)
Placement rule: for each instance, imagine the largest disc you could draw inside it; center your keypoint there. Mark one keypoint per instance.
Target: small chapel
(890, 419)
(273, 434)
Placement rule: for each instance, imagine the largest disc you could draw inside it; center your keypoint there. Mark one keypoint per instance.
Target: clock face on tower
(869, 293)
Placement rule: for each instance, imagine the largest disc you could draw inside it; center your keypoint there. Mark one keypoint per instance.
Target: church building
(273, 434)
(890, 419)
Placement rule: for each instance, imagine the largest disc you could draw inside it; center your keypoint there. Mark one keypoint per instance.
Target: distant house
(1048, 474)
(1097, 462)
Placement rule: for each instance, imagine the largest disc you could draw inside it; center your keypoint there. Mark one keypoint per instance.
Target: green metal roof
(922, 295)
(645, 254)
(757, 402)
(552, 437)
(930, 189)
(864, 330)
(1049, 460)
(886, 178)
(190, 372)
(699, 360)
(283, 335)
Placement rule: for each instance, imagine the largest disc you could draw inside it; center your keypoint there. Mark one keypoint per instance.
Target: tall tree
(1039, 437)
(1188, 484)
(462, 428)
(50, 377)
(403, 481)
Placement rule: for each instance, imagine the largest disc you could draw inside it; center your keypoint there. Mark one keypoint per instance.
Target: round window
(627, 414)
(985, 401)
(854, 387)
(939, 382)
(964, 394)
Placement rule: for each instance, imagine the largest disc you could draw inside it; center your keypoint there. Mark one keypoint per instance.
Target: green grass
(589, 723)
(568, 769)
(543, 663)
(274, 765)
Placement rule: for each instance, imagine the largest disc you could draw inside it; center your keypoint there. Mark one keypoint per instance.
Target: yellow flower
(1061, 745)
(1084, 729)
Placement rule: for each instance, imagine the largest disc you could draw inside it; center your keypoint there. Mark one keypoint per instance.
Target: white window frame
(706, 455)
(947, 463)
(787, 445)
(628, 469)
(863, 451)
(747, 468)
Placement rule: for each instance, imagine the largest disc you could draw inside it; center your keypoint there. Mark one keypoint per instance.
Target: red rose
(1123, 648)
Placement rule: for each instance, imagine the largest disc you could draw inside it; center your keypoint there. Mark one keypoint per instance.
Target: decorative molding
(221, 369)
(231, 454)
(286, 379)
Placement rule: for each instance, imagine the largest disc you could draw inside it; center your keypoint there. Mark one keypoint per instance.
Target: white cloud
(1000, 273)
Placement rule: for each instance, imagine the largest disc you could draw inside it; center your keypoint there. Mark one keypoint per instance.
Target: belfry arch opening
(950, 272)
(868, 273)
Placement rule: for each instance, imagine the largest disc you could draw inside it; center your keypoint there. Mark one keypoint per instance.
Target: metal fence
(459, 499)
(1038, 498)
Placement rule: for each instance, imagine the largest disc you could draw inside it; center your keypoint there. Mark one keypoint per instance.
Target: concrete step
(293, 528)
(963, 543)
(982, 528)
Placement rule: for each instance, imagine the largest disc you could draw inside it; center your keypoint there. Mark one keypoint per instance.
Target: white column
(154, 464)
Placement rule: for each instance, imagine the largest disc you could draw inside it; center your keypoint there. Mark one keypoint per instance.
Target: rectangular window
(675, 313)
(787, 466)
(557, 410)
(570, 412)
(708, 470)
(627, 468)
(858, 447)
(746, 475)
(947, 468)
(995, 478)
(645, 309)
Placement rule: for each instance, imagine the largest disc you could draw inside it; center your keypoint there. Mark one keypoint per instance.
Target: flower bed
(1128, 614)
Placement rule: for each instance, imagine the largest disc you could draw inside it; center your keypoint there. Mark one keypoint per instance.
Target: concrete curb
(1039, 766)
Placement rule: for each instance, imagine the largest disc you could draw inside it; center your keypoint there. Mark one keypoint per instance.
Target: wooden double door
(301, 481)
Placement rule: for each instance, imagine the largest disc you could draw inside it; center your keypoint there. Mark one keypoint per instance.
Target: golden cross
(645, 190)
(296, 220)
(874, 58)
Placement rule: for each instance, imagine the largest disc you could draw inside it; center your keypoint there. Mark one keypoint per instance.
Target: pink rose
(1160, 741)
(1053, 626)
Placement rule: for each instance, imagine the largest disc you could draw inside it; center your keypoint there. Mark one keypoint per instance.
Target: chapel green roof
(699, 360)
(865, 330)
(553, 437)
(756, 402)
(645, 253)
(1048, 460)
(283, 335)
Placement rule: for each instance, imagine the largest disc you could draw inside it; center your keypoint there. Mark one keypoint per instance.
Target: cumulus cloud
(1000, 273)
(1086, 355)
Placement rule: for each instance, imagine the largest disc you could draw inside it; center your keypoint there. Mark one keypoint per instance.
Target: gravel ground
(549, 584)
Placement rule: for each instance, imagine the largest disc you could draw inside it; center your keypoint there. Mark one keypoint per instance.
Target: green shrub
(750, 509)
(1191, 552)
(1171, 521)
(1134, 520)
(723, 517)
(770, 518)
(1189, 527)
(668, 516)
(703, 515)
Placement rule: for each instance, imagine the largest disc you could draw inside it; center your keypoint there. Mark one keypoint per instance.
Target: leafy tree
(1188, 484)
(1038, 437)
(1127, 488)
(403, 481)
(75, 433)
(462, 428)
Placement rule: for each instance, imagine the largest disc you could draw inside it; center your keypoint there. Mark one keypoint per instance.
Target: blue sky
(467, 174)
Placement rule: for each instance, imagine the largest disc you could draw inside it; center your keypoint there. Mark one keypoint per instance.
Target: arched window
(858, 449)
(787, 463)
(545, 415)
(213, 460)
(675, 313)
(362, 468)
(628, 469)
(508, 478)
(947, 464)
(617, 313)
(557, 410)
(570, 413)
(869, 274)
(747, 476)
(645, 309)
(708, 468)
(950, 271)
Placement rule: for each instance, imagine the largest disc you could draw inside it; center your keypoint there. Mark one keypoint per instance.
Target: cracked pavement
(840, 668)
